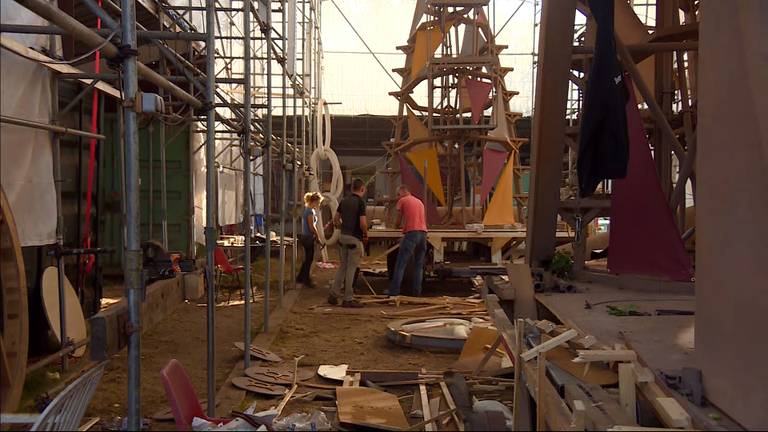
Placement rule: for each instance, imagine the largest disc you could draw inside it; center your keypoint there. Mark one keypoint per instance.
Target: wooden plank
(541, 378)
(638, 429)
(672, 413)
(548, 345)
(521, 281)
(579, 415)
(425, 408)
(44, 60)
(517, 404)
(627, 396)
(642, 374)
(585, 356)
(451, 405)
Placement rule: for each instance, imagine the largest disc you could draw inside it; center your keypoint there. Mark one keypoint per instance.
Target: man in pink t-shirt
(413, 219)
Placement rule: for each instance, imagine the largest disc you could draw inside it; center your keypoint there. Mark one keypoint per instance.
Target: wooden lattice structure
(452, 77)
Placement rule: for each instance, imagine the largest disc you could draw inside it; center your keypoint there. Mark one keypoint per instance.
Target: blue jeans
(413, 245)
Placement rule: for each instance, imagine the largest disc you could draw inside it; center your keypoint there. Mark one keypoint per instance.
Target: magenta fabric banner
(493, 163)
(478, 97)
(410, 179)
(644, 238)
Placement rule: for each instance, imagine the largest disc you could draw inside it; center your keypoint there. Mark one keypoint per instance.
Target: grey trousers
(351, 252)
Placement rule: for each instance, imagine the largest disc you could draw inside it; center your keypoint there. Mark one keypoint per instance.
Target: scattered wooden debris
(585, 356)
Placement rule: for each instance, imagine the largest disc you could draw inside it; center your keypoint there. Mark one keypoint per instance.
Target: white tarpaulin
(26, 160)
(230, 185)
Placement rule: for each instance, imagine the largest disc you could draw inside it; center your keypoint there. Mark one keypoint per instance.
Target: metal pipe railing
(61, 130)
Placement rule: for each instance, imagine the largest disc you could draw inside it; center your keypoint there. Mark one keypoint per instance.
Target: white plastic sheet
(26, 159)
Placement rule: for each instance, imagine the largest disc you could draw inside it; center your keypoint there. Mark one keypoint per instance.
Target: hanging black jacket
(603, 141)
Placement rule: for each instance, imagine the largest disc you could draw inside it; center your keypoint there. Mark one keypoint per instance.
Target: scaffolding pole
(247, 181)
(211, 199)
(132, 253)
(267, 178)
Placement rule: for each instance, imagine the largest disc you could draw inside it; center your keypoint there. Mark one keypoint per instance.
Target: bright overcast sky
(353, 77)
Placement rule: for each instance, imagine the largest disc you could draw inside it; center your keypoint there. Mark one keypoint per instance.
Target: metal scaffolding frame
(246, 48)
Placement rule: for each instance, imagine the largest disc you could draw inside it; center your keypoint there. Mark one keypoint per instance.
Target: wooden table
(496, 238)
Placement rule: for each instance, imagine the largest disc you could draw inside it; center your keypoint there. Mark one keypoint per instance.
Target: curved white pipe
(323, 151)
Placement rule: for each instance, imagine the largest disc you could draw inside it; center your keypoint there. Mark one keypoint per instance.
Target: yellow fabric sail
(500, 210)
(425, 152)
(428, 155)
(427, 41)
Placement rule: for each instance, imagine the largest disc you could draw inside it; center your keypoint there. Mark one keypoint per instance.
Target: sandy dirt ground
(321, 333)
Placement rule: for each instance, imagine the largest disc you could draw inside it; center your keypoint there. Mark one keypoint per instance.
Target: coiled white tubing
(323, 151)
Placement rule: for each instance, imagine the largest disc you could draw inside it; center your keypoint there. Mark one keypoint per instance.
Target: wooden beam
(426, 412)
(627, 396)
(585, 356)
(548, 345)
(553, 72)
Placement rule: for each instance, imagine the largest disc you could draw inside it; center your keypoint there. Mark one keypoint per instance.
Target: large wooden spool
(15, 324)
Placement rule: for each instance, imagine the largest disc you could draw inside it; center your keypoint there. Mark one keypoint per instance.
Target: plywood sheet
(474, 350)
(75, 320)
(370, 407)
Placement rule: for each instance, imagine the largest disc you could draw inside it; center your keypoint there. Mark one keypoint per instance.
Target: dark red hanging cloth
(603, 144)
(644, 238)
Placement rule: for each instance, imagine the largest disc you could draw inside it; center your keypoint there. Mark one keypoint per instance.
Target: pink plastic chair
(181, 395)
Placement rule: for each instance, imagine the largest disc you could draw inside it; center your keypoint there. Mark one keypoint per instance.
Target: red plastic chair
(181, 395)
(223, 264)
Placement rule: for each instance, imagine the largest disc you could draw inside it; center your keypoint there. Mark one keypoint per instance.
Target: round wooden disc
(14, 324)
(278, 376)
(252, 385)
(260, 352)
(76, 329)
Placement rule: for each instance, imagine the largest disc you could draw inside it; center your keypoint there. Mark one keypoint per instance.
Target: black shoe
(308, 283)
(333, 300)
(351, 304)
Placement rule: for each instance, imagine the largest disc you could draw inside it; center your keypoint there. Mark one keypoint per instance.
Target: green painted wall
(178, 187)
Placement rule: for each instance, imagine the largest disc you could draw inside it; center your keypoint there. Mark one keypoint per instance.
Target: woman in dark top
(308, 235)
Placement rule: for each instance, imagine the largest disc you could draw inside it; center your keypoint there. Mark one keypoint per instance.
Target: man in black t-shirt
(350, 217)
